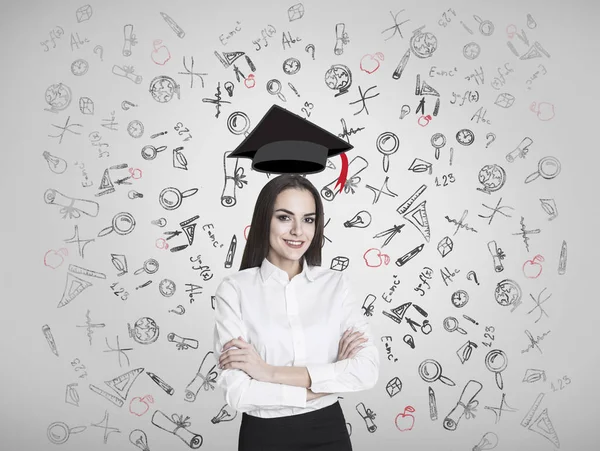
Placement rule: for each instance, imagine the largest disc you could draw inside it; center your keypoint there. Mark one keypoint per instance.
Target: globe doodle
(58, 96)
(492, 177)
(144, 331)
(422, 44)
(338, 77)
(163, 88)
(507, 292)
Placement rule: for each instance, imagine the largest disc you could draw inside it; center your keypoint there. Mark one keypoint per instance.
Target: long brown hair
(257, 245)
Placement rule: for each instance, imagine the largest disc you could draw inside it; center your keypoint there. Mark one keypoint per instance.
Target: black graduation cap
(285, 143)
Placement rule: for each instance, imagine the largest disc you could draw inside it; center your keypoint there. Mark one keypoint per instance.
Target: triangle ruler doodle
(533, 52)
(106, 182)
(398, 312)
(427, 90)
(112, 398)
(230, 57)
(121, 384)
(543, 426)
(189, 232)
(73, 288)
(418, 217)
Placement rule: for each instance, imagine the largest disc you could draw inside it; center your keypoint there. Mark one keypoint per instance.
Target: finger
(356, 344)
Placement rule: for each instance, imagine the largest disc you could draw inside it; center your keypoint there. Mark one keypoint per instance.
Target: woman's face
(293, 219)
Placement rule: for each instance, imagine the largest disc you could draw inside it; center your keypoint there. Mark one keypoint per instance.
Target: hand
(246, 359)
(350, 344)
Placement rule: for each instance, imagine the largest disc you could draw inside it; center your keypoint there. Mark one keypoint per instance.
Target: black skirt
(323, 430)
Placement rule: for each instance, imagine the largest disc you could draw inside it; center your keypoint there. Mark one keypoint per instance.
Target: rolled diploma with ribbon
(468, 393)
(357, 165)
(162, 421)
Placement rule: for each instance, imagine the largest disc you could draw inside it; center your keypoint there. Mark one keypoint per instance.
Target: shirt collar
(268, 269)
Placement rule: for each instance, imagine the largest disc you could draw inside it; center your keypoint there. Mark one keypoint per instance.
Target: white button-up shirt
(297, 322)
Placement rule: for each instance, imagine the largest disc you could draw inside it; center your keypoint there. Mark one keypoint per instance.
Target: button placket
(296, 325)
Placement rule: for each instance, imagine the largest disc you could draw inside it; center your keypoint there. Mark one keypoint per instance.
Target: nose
(296, 228)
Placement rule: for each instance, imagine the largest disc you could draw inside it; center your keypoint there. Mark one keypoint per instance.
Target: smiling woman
(282, 324)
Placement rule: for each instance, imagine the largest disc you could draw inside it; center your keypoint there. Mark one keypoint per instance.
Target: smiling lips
(294, 244)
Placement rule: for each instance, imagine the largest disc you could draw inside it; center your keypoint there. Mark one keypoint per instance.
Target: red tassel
(343, 173)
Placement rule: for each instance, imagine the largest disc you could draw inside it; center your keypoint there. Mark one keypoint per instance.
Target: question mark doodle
(99, 47)
(472, 276)
(180, 310)
(310, 47)
(492, 140)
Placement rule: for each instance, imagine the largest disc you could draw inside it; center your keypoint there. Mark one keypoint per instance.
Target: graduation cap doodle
(285, 143)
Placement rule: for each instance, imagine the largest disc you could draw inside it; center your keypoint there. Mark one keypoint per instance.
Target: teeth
(294, 243)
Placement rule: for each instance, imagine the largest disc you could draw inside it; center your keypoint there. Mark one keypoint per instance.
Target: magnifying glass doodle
(170, 198)
(122, 223)
(383, 147)
(496, 361)
(430, 370)
(451, 325)
(149, 152)
(150, 267)
(548, 167)
(58, 432)
(486, 27)
(274, 88)
(238, 123)
(438, 141)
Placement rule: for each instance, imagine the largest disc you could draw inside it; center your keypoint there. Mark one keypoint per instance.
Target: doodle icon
(338, 77)
(144, 331)
(84, 13)
(507, 292)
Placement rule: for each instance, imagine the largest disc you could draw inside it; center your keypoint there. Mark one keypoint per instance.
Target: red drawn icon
(424, 120)
(161, 243)
(160, 54)
(543, 110)
(135, 173)
(139, 406)
(405, 421)
(250, 82)
(53, 259)
(532, 268)
(373, 258)
(370, 63)
(511, 30)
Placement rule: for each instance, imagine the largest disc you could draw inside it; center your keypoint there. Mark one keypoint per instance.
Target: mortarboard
(286, 143)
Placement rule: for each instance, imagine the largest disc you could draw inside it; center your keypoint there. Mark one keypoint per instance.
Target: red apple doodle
(373, 258)
(250, 82)
(370, 63)
(160, 54)
(405, 419)
(53, 259)
(139, 406)
(532, 268)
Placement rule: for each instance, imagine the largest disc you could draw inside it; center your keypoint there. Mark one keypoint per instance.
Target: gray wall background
(34, 380)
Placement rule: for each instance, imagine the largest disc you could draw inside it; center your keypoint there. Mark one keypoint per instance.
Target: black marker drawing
(180, 310)
(368, 415)
(171, 198)
(83, 13)
(135, 129)
(430, 370)
(86, 105)
(459, 298)
(445, 246)
(163, 88)
(386, 149)
(419, 165)
(496, 209)
(465, 137)
(504, 407)
(534, 342)
(274, 88)
(360, 220)
(548, 168)
(341, 38)
(177, 425)
(129, 39)
(66, 128)
(533, 375)
(521, 150)
(202, 379)
(433, 414)
(549, 206)
(104, 425)
(423, 44)
(119, 261)
(409, 255)
(74, 286)
(538, 304)
(562, 260)
(378, 192)
(162, 384)
(524, 233)
(229, 87)
(90, 327)
(488, 441)
(58, 96)
(460, 224)
(123, 223)
(339, 263)
(127, 72)
(438, 141)
(466, 405)
(182, 343)
(393, 387)
(451, 325)
(176, 28)
(167, 287)
(486, 27)
(79, 67)
(492, 177)
(507, 292)
(217, 100)
(391, 232)
(119, 350)
(144, 331)
(447, 275)
(339, 77)
(504, 100)
(363, 99)
(496, 362)
(465, 351)
(71, 395)
(58, 432)
(150, 266)
(471, 50)
(50, 339)
(291, 66)
(191, 73)
(404, 111)
(295, 12)
(497, 256)
(139, 438)
(396, 26)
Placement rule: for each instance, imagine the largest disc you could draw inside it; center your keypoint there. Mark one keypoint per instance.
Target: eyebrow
(291, 213)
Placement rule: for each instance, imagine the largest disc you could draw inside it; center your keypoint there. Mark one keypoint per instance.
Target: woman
(283, 333)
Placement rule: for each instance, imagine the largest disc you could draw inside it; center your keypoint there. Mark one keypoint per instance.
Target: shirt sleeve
(358, 373)
(242, 392)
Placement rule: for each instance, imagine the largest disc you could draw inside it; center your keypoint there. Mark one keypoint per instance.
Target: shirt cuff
(293, 396)
(320, 373)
